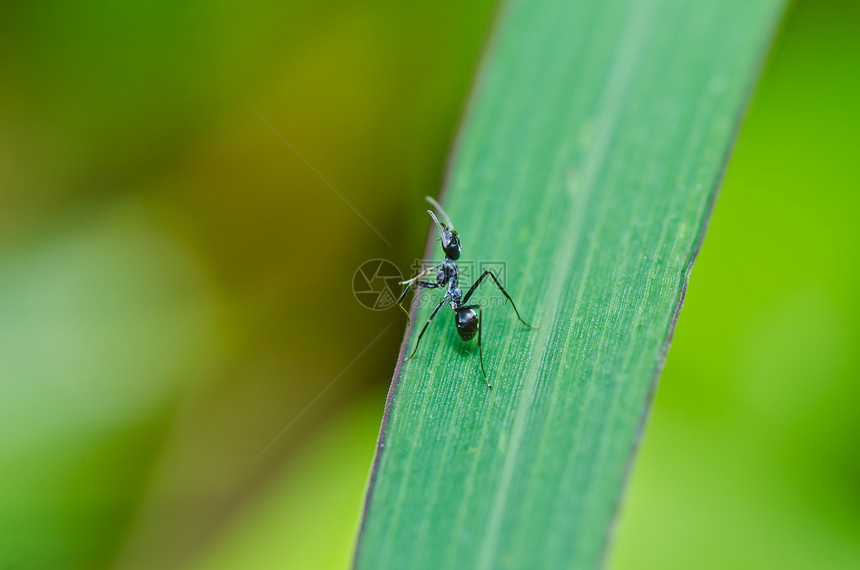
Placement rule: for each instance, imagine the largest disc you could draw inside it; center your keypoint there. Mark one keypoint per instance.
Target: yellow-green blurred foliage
(175, 288)
(176, 283)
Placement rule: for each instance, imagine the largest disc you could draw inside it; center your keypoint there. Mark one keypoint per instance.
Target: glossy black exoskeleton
(468, 317)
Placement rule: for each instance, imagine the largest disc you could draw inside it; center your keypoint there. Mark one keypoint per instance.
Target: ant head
(449, 237)
(451, 244)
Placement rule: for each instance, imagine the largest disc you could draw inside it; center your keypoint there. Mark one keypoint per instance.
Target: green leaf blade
(588, 162)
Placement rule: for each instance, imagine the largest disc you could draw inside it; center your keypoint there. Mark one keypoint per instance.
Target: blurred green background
(186, 380)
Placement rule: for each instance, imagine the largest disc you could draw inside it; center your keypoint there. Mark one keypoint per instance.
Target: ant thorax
(449, 276)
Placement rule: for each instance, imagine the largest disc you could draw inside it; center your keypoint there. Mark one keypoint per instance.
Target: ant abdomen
(467, 324)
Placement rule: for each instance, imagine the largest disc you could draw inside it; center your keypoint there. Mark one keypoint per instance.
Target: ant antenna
(441, 210)
(438, 225)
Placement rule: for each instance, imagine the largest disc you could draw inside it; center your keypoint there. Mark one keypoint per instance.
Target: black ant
(468, 321)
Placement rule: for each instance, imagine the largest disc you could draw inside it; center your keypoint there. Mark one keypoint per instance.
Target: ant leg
(436, 310)
(420, 275)
(405, 291)
(502, 289)
(481, 350)
(410, 282)
(400, 301)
